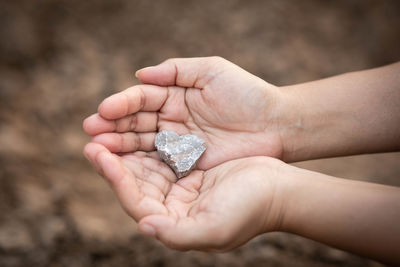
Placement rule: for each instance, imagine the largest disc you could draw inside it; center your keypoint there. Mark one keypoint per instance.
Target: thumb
(184, 72)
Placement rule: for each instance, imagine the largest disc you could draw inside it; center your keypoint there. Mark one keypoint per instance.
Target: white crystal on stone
(180, 152)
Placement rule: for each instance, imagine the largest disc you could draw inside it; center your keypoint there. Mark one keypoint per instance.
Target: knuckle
(121, 142)
(169, 61)
(142, 98)
(136, 141)
(120, 125)
(132, 122)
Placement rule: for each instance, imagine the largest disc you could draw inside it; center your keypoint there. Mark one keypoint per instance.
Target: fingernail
(147, 229)
(136, 73)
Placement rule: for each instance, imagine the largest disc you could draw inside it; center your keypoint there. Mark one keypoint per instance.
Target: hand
(214, 210)
(234, 111)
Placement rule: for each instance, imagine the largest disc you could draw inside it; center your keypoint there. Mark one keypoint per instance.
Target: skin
(240, 115)
(351, 215)
(349, 114)
(206, 210)
(229, 108)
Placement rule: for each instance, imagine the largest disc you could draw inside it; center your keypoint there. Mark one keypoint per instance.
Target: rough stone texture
(181, 153)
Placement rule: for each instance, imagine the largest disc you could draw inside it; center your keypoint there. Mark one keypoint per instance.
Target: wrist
(306, 195)
(306, 126)
(280, 184)
(289, 122)
(295, 190)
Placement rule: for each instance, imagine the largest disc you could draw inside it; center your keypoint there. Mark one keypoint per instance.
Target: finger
(134, 200)
(132, 100)
(185, 72)
(114, 169)
(126, 142)
(150, 183)
(138, 122)
(95, 124)
(90, 151)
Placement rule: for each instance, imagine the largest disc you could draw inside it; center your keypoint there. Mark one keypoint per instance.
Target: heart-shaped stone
(180, 152)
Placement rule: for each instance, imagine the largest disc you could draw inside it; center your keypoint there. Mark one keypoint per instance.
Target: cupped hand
(234, 111)
(214, 210)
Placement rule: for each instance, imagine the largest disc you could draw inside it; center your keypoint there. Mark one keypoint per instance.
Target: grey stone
(180, 152)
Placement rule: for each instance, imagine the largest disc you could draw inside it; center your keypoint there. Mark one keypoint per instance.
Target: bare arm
(240, 115)
(359, 217)
(353, 113)
(224, 207)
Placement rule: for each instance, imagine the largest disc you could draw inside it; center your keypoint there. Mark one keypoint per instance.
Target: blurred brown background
(59, 59)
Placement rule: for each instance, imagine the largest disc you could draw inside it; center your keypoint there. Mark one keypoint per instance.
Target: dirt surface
(59, 59)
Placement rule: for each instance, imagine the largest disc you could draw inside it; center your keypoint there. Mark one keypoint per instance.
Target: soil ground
(59, 59)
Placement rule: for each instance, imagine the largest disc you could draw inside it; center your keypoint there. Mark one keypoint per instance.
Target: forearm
(360, 217)
(353, 113)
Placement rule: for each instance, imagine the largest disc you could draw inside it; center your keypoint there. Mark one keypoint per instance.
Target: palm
(198, 208)
(232, 110)
(232, 117)
(158, 186)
